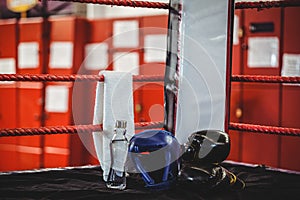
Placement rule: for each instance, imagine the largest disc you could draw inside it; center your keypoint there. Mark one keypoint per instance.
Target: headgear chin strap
(155, 154)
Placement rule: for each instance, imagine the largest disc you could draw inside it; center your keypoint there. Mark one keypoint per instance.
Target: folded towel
(114, 101)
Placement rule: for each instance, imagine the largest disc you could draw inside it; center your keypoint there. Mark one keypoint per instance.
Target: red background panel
(60, 118)
(291, 30)
(8, 105)
(8, 33)
(159, 21)
(57, 147)
(290, 118)
(266, 104)
(152, 97)
(260, 106)
(9, 155)
(260, 102)
(30, 30)
(30, 97)
(98, 31)
(236, 92)
(69, 29)
(56, 150)
(152, 94)
(68, 148)
(80, 39)
(29, 115)
(253, 16)
(8, 99)
(291, 94)
(62, 30)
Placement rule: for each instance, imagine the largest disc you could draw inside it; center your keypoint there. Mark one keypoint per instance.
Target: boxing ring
(86, 182)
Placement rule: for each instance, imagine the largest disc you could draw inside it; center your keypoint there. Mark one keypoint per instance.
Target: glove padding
(207, 146)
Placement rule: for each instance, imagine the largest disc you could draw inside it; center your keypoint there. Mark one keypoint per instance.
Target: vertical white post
(197, 66)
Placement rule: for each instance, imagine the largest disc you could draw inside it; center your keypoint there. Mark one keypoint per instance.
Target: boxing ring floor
(86, 183)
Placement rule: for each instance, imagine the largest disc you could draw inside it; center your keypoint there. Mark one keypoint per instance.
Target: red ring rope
(265, 79)
(267, 4)
(72, 78)
(68, 129)
(49, 130)
(128, 3)
(140, 78)
(159, 5)
(264, 129)
(148, 125)
(144, 125)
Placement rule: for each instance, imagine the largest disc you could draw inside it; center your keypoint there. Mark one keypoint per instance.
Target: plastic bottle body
(118, 151)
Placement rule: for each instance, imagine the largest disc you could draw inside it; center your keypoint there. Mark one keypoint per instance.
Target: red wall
(266, 104)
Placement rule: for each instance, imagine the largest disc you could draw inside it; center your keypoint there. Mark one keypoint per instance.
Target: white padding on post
(202, 67)
(114, 101)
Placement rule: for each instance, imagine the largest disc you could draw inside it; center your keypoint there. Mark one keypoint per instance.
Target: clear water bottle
(118, 151)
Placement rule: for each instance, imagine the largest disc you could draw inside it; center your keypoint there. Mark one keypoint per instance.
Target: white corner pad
(197, 66)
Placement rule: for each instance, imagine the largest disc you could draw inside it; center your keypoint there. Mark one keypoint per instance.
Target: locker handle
(238, 113)
(36, 117)
(241, 33)
(138, 108)
(244, 46)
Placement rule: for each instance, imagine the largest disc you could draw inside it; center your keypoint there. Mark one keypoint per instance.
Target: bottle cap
(121, 124)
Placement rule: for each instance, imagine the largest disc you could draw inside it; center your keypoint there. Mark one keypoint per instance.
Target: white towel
(114, 101)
